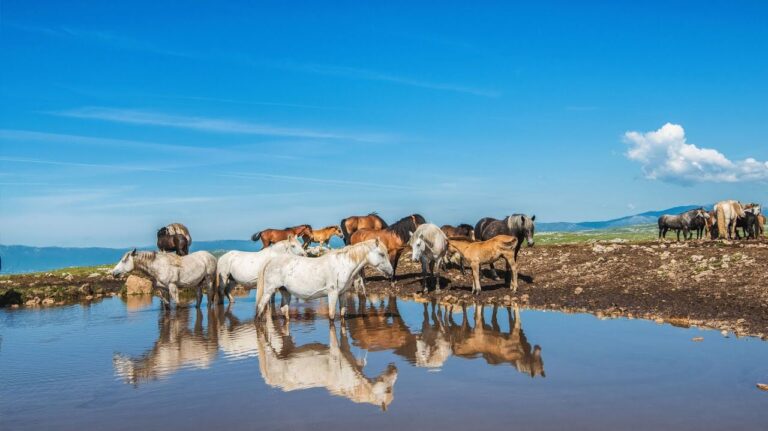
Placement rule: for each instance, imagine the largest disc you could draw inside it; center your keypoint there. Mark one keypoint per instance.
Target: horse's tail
(256, 236)
(260, 284)
(722, 229)
(344, 231)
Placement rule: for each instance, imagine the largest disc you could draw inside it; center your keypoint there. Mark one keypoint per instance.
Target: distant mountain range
(21, 258)
(642, 218)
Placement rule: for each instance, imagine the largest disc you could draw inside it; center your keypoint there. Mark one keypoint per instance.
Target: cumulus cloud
(665, 155)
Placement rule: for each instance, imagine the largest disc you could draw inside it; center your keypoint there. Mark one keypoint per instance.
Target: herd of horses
(723, 221)
(287, 264)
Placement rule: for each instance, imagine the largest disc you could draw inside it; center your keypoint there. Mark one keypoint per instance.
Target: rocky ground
(722, 285)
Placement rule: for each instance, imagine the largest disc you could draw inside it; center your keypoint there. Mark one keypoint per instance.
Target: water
(125, 366)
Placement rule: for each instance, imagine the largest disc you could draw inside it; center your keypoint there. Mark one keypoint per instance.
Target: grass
(636, 233)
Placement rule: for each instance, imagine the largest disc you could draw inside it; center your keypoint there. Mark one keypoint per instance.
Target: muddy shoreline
(717, 285)
(712, 284)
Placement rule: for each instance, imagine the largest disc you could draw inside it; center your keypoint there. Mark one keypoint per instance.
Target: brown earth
(713, 284)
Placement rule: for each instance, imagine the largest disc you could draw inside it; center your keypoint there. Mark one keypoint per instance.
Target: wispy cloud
(372, 75)
(101, 37)
(84, 165)
(207, 124)
(665, 155)
(315, 180)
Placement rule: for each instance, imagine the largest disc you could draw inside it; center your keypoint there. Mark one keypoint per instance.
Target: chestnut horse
(271, 236)
(461, 231)
(488, 251)
(324, 235)
(352, 224)
(394, 237)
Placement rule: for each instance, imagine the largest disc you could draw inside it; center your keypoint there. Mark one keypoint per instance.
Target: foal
(324, 235)
(482, 252)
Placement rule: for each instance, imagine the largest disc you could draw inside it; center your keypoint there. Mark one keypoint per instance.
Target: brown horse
(352, 224)
(324, 235)
(175, 238)
(760, 224)
(271, 236)
(461, 231)
(394, 237)
(482, 252)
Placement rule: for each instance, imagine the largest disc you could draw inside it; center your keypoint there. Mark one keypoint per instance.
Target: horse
(169, 272)
(352, 224)
(243, 267)
(760, 224)
(313, 277)
(701, 225)
(461, 231)
(519, 226)
(324, 235)
(169, 238)
(682, 222)
(488, 251)
(394, 237)
(271, 236)
(429, 245)
(290, 367)
(726, 214)
(748, 223)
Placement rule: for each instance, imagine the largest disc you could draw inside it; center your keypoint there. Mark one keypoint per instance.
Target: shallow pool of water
(392, 364)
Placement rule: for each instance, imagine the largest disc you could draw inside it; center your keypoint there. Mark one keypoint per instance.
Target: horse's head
(125, 265)
(337, 231)
(293, 245)
(529, 226)
(382, 387)
(418, 245)
(378, 258)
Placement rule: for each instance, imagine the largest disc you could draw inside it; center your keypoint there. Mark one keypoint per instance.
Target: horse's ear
(133, 252)
(533, 218)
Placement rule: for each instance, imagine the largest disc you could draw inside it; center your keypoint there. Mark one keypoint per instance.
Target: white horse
(243, 267)
(169, 272)
(726, 213)
(429, 245)
(314, 277)
(289, 367)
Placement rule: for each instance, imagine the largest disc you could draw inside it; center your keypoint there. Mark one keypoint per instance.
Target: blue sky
(117, 118)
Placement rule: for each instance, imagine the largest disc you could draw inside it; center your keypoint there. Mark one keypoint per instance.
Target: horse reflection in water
(382, 328)
(177, 347)
(315, 365)
(283, 364)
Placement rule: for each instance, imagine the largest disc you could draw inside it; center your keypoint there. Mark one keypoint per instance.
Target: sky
(117, 118)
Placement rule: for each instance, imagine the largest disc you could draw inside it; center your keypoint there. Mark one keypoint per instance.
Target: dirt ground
(714, 284)
(721, 285)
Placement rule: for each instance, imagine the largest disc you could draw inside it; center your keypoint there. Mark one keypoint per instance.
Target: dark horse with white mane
(681, 222)
(175, 237)
(519, 226)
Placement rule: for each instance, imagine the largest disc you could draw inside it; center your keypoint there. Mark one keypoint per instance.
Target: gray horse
(681, 222)
(519, 226)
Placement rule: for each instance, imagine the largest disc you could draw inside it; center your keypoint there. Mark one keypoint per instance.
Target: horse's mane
(465, 226)
(403, 227)
(357, 251)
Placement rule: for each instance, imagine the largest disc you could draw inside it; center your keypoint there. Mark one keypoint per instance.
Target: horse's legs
(266, 297)
(394, 266)
(199, 293)
(333, 297)
(424, 264)
(211, 291)
(511, 268)
(173, 290)
(494, 275)
(475, 278)
(285, 301)
(435, 269)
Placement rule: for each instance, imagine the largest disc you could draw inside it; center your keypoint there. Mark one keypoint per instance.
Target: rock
(69, 277)
(524, 297)
(724, 333)
(85, 288)
(136, 285)
(578, 291)
(88, 297)
(94, 275)
(48, 301)
(32, 302)
(762, 386)
(697, 339)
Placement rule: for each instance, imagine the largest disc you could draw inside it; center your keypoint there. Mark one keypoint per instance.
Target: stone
(697, 339)
(135, 285)
(94, 275)
(48, 301)
(578, 291)
(762, 386)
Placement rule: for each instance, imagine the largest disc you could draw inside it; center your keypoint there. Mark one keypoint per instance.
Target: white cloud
(665, 155)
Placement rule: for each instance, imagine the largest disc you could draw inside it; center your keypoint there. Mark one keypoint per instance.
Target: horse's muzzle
(531, 243)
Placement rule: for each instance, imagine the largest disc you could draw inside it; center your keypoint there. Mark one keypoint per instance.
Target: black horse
(681, 222)
(519, 226)
(172, 242)
(749, 223)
